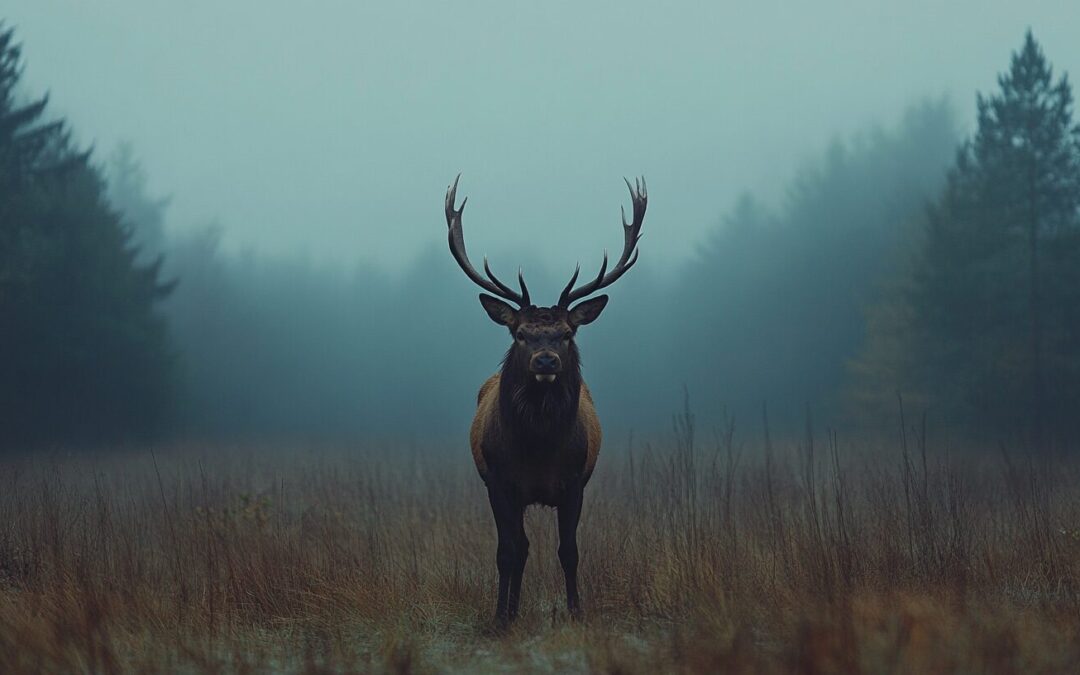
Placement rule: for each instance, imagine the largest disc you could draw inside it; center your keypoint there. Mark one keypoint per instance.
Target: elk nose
(546, 362)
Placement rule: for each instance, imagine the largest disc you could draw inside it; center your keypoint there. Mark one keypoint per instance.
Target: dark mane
(535, 410)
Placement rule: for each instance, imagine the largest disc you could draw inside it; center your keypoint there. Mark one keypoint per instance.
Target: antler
(639, 195)
(457, 249)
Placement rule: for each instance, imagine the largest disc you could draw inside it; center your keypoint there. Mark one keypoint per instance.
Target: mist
(289, 170)
(333, 133)
(277, 346)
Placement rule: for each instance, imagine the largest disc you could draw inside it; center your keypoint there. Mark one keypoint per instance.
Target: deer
(536, 436)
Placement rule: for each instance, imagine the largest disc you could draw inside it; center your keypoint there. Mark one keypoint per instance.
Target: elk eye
(567, 335)
(521, 336)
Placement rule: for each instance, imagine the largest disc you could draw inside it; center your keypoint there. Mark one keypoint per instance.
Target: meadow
(700, 553)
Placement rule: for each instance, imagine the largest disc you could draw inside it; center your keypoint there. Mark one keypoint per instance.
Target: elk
(536, 436)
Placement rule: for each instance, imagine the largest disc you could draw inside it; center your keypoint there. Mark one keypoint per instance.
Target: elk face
(543, 336)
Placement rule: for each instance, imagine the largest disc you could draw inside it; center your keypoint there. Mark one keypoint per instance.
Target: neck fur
(539, 409)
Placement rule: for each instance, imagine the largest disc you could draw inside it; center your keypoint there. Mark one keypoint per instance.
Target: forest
(905, 266)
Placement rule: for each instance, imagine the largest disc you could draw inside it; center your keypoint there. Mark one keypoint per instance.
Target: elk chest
(541, 472)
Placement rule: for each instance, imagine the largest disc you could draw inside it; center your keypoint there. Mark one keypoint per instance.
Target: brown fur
(487, 417)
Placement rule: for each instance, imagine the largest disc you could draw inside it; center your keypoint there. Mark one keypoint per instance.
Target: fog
(333, 131)
(290, 165)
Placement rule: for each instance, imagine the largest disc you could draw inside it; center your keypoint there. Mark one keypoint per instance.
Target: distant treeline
(905, 264)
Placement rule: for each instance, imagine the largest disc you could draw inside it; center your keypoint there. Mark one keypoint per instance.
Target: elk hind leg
(521, 549)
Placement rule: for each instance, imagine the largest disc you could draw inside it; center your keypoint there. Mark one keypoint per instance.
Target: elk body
(536, 437)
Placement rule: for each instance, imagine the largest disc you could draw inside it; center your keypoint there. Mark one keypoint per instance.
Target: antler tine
(603, 269)
(631, 233)
(524, 288)
(456, 239)
(506, 289)
(564, 297)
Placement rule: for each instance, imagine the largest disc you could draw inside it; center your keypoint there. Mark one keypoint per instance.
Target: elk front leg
(569, 515)
(509, 558)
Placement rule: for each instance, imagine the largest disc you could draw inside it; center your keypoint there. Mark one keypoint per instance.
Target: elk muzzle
(545, 365)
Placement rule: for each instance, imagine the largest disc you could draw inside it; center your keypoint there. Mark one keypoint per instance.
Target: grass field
(698, 556)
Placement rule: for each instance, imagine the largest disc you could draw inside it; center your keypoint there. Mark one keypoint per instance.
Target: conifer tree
(83, 351)
(991, 302)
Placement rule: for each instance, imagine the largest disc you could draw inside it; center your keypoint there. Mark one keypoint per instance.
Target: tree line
(983, 325)
(906, 264)
(84, 350)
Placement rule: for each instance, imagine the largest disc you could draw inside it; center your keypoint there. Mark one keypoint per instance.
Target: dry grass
(695, 558)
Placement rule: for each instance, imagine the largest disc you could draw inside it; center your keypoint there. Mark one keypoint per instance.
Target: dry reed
(698, 557)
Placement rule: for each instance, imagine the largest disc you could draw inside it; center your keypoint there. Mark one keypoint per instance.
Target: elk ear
(586, 312)
(500, 312)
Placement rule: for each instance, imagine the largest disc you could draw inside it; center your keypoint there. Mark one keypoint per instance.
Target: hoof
(498, 626)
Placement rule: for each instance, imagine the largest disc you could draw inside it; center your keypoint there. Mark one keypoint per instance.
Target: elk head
(544, 336)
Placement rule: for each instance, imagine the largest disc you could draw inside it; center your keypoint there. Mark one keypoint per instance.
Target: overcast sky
(332, 128)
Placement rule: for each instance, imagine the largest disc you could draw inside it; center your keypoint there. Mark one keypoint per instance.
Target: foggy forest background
(905, 263)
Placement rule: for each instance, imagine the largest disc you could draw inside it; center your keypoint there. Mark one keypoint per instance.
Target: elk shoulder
(487, 411)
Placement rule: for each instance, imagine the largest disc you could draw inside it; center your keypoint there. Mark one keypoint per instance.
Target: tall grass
(698, 556)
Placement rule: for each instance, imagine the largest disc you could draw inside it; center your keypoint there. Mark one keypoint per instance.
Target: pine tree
(992, 297)
(83, 351)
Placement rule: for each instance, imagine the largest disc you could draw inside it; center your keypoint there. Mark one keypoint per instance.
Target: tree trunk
(1035, 314)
